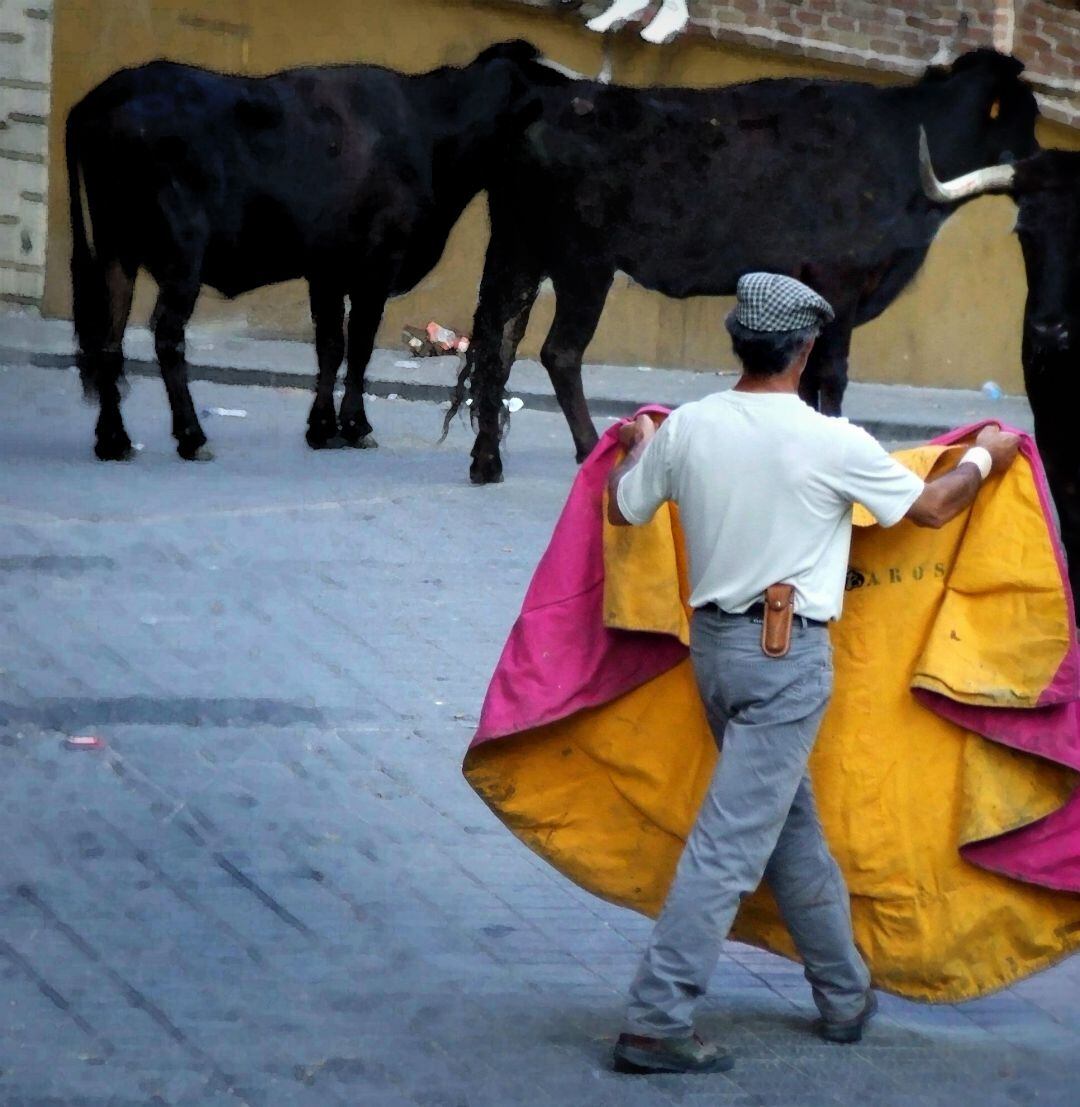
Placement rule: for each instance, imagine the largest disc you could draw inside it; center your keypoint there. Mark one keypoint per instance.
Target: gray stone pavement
(897, 413)
(272, 885)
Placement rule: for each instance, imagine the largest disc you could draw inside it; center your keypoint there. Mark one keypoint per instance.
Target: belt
(756, 613)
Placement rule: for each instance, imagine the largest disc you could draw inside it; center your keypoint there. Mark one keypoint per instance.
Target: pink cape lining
(561, 659)
(1045, 852)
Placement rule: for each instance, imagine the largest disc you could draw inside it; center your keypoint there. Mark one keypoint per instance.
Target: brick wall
(1048, 39)
(900, 35)
(890, 34)
(25, 61)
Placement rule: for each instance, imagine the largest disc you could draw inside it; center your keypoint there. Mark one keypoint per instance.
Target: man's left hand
(641, 430)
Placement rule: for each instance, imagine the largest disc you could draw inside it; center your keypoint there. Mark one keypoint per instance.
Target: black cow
(1046, 188)
(350, 176)
(687, 189)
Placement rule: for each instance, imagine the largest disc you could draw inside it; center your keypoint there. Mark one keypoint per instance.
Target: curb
(885, 429)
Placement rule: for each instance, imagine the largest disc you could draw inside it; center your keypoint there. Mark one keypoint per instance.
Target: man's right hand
(1002, 446)
(946, 496)
(640, 430)
(635, 437)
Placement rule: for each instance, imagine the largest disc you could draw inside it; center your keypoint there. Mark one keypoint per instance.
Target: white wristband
(979, 456)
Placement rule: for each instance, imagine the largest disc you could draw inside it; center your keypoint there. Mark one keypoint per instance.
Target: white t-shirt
(765, 487)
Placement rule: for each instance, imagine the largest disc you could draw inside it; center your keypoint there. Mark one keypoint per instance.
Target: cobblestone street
(272, 885)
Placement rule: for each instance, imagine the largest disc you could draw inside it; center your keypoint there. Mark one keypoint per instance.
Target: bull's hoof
(114, 449)
(194, 450)
(364, 442)
(486, 471)
(111, 454)
(322, 433)
(334, 442)
(357, 433)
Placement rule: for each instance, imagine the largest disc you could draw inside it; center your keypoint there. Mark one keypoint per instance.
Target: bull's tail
(459, 395)
(470, 391)
(89, 287)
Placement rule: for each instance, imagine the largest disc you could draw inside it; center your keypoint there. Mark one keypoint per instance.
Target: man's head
(774, 323)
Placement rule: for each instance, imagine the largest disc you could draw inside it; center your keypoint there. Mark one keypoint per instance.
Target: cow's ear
(515, 50)
(934, 73)
(502, 94)
(1001, 66)
(519, 92)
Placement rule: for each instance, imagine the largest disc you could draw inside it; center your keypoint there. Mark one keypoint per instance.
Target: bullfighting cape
(944, 769)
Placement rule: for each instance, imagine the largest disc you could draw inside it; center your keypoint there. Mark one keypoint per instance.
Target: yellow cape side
(609, 794)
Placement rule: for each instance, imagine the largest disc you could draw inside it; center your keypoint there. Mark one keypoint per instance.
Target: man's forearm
(944, 498)
(615, 516)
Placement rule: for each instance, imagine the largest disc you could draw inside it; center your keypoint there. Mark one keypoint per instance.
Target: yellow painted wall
(958, 325)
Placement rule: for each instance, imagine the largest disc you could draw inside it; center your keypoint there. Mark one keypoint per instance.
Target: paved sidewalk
(272, 886)
(896, 413)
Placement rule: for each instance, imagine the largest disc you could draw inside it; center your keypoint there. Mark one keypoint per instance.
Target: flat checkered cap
(773, 302)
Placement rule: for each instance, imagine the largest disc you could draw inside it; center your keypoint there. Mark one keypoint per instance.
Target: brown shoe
(635, 1053)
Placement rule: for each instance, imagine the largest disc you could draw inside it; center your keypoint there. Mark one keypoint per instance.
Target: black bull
(350, 176)
(1048, 195)
(685, 190)
(1046, 188)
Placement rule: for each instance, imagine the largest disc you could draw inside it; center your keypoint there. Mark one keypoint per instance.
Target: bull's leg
(809, 382)
(1063, 476)
(1051, 399)
(365, 312)
(501, 318)
(508, 289)
(174, 306)
(579, 304)
(825, 377)
(101, 363)
(328, 315)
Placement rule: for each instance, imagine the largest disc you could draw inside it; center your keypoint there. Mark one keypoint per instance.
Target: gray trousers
(757, 820)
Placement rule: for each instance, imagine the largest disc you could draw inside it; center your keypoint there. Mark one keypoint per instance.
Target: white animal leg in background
(619, 12)
(669, 21)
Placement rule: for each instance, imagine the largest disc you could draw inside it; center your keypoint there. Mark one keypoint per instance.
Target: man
(765, 488)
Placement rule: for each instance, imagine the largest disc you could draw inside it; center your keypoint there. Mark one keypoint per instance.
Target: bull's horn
(607, 67)
(565, 71)
(948, 48)
(994, 178)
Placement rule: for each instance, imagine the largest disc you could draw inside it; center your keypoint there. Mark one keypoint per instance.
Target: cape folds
(945, 768)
